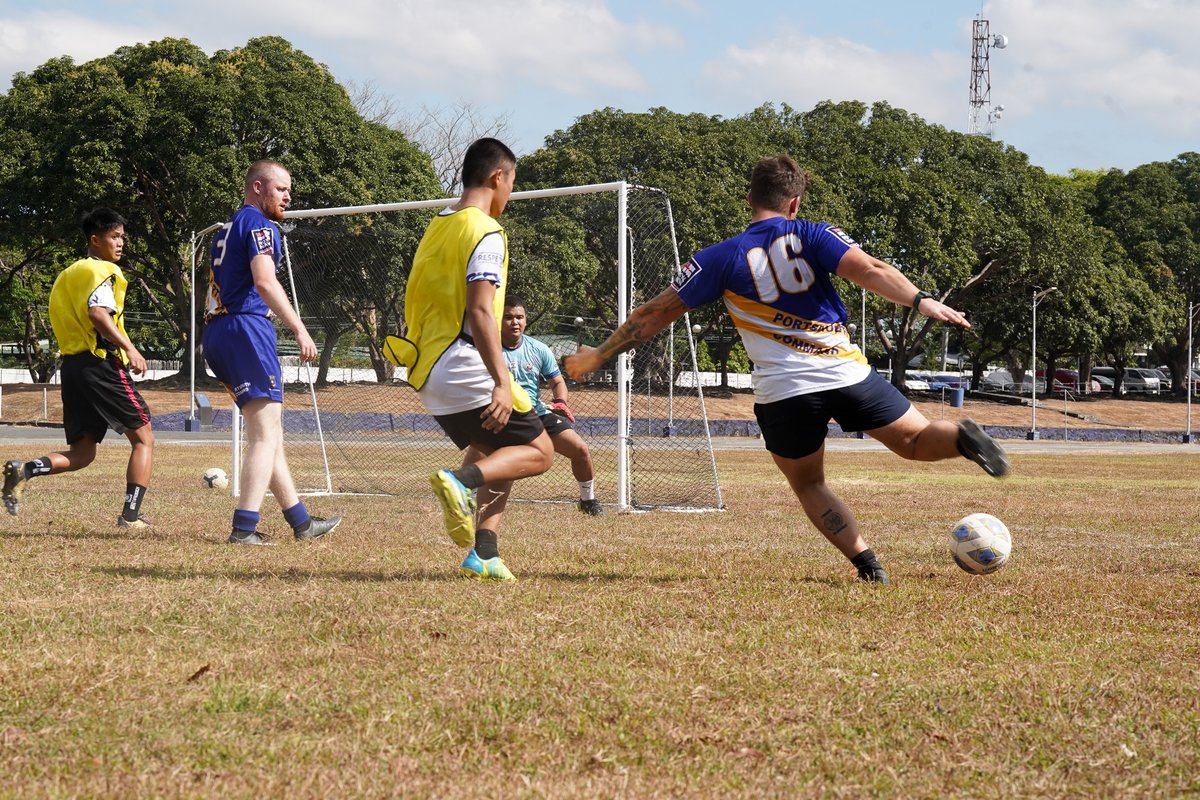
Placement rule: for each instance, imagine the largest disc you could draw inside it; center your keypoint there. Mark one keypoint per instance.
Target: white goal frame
(623, 362)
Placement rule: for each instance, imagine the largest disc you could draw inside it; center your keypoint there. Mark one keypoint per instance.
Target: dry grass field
(645, 655)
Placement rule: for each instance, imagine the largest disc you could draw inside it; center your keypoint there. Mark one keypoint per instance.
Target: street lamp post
(1037, 297)
(862, 337)
(1187, 374)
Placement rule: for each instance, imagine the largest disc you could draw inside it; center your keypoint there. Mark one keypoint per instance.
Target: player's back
(775, 279)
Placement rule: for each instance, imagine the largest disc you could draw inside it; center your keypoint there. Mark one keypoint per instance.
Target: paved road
(15, 435)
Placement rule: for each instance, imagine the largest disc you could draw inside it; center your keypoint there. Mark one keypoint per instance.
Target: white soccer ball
(980, 544)
(578, 321)
(215, 478)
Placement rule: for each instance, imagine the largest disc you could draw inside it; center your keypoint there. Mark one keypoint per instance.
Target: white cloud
(28, 42)
(1135, 59)
(1130, 59)
(568, 46)
(801, 70)
(466, 47)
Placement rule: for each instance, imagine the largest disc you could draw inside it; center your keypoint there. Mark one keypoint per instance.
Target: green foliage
(163, 133)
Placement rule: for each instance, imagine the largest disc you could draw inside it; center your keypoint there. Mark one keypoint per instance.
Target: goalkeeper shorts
(555, 424)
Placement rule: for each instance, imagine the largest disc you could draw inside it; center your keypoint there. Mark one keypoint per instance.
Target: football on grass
(980, 544)
(215, 478)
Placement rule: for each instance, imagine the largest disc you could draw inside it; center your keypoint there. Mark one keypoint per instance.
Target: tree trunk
(332, 335)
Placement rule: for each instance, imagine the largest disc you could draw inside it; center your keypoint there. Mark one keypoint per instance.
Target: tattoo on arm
(643, 324)
(833, 521)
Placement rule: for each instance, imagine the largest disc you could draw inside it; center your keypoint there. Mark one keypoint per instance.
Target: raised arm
(889, 283)
(643, 324)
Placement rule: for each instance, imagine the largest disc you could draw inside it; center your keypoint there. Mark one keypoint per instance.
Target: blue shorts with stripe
(240, 350)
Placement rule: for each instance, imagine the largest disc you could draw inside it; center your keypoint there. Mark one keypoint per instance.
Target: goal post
(582, 256)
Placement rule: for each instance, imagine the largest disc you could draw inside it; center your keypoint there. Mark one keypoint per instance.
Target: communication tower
(982, 115)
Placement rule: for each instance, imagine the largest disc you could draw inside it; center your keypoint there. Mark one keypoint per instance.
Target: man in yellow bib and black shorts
(452, 307)
(87, 308)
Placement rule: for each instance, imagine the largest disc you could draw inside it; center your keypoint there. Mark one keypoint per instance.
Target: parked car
(949, 380)
(1067, 380)
(1136, 380)
(998, 380)
(1149, 378)
(1164, 378)
(1027, 382)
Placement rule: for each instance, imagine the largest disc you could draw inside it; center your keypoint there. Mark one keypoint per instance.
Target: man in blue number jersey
(776, 280)
(239, 346)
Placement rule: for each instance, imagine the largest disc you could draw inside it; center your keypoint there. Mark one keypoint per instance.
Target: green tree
(163, 133)
(1154, 212)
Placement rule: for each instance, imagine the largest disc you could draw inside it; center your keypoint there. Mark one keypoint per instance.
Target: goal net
(581, 257)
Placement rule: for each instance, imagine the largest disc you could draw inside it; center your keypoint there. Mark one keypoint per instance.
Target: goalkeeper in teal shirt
(530, 362)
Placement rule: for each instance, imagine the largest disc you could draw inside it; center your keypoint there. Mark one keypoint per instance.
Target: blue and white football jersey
(775, 278)
(247, 234)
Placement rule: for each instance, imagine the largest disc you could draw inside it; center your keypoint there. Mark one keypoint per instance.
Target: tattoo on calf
(833, 522)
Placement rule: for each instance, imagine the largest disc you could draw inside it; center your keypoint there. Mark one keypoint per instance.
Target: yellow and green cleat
(492, 569)
(458, 507)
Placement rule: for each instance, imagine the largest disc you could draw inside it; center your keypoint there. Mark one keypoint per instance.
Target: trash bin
(956, 397)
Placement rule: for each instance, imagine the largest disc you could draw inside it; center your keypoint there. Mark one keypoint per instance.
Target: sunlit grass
(639, 655)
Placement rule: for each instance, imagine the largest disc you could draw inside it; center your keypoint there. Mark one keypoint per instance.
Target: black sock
(470, 476)
(135, 493)
(866, 560)
(39, 466)
(486, 545)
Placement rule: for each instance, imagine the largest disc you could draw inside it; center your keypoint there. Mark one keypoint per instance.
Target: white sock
(587, 490)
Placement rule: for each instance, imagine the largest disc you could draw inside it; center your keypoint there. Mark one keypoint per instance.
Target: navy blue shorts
(240, 350)
(796, 426)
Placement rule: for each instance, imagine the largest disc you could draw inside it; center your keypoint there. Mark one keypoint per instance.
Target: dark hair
(775, 181)
(514, 300)
(484, 157)
(100, 220)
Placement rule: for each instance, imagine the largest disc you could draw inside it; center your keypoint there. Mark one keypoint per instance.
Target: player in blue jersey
(775, 279)
(239, 346)
(531, 362)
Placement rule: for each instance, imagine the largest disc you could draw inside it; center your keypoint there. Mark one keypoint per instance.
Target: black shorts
(466, 427)
(555, 423)
(98, 394)
(796, 426)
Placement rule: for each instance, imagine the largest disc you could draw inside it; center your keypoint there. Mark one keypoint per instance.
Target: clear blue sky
(1085, 83)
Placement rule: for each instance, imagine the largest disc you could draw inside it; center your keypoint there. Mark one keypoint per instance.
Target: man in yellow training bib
(452, 307)
(87, 310)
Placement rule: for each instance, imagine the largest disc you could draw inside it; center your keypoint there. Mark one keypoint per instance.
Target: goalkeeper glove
(560, 407)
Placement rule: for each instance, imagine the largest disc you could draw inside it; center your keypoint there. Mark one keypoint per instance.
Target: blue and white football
(980, 544)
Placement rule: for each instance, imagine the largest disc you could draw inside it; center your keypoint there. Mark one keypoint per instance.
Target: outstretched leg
(916, 438)
(78, 455)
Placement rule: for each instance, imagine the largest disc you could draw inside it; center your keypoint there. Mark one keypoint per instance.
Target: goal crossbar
(624, 289)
